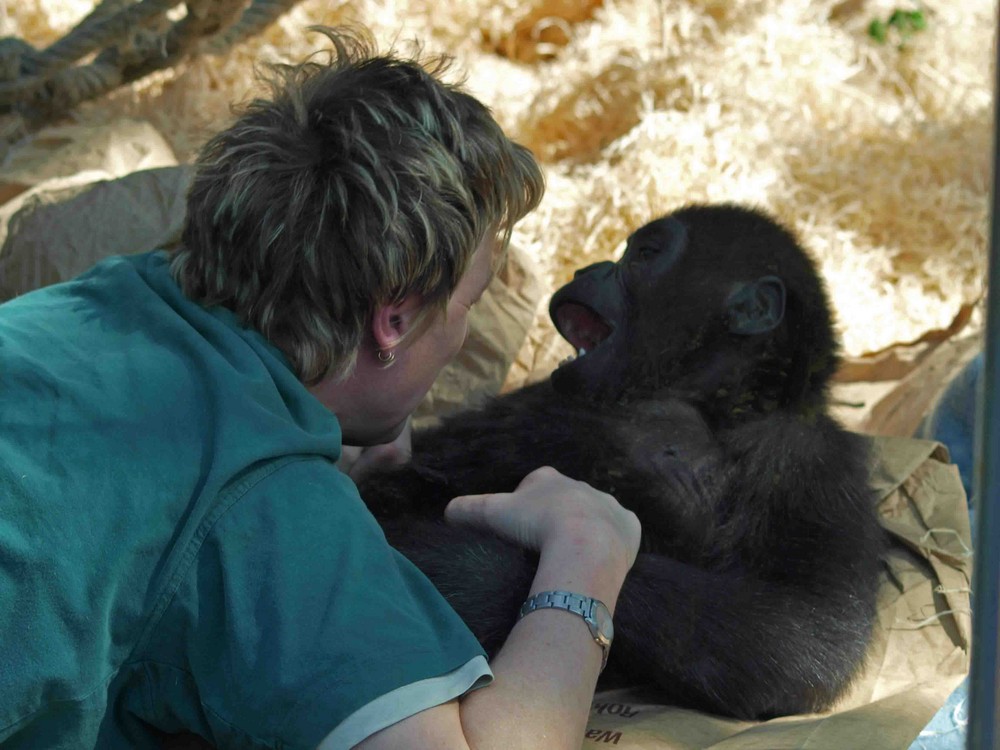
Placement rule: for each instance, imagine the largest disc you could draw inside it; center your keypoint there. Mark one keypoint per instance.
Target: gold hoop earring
(386, 357)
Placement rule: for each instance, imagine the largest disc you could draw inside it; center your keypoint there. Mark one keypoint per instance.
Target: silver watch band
(584, 606)
(560, 600)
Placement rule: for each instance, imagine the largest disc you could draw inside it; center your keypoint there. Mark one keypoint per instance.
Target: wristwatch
(593, 612)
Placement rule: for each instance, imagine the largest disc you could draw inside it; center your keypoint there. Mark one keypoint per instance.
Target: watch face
(602, 618)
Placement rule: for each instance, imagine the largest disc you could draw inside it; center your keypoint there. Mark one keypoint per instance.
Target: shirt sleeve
(406, 701)
(297, 622)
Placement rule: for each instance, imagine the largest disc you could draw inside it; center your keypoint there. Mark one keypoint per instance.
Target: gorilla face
(689, 306)
(597, 312)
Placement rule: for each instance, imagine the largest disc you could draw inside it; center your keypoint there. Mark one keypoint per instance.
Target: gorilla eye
(641, 256)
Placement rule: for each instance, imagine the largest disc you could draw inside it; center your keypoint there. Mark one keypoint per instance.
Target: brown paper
(113, 150)
(898, 407)
(63, 226)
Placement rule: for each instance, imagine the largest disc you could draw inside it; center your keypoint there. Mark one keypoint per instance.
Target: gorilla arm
(732, 643)
(778, 618)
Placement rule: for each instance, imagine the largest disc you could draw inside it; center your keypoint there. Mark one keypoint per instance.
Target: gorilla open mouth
(581, 327)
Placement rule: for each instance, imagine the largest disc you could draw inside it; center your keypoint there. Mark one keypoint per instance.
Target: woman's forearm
(546, 672)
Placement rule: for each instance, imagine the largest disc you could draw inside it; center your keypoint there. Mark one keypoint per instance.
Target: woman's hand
(547, 669)
(548, 508)
(356, 462)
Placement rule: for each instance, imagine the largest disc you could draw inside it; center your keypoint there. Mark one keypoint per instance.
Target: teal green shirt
(177, 547)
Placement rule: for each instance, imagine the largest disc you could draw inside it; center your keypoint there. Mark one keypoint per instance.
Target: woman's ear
(390, 323)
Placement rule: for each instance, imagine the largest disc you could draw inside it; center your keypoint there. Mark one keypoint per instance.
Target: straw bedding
(877, 154)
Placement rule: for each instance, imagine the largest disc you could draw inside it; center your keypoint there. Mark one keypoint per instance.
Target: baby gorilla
(698, 400)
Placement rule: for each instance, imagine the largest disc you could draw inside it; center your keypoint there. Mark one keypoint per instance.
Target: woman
(179, 551)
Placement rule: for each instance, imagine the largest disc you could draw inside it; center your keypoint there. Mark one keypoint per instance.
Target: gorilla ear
(756, 307)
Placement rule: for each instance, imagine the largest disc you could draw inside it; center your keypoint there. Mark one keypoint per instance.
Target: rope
(102, 27)
(258, 16)
(131, 38)
(96, 30)
(15, 56)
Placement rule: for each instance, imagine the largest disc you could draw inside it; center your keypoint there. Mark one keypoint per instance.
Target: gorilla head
(640, 325)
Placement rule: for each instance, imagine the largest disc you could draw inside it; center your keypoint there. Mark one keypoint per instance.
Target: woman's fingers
(546, 505)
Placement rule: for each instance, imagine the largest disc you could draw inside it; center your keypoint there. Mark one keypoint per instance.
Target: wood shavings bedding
(877, 155)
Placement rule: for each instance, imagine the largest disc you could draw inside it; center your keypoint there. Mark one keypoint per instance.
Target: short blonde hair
(362, 179)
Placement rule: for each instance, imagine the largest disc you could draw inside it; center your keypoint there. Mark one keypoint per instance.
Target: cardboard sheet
(52, 230)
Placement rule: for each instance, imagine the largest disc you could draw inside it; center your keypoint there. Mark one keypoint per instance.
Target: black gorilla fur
(701, 405)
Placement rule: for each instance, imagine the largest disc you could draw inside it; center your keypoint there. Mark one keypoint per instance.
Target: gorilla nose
(605, 266)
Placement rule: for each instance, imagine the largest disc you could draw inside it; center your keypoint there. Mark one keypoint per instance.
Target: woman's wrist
(586, 560)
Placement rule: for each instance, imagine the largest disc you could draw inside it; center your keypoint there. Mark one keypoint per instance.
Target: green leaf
(902, 24)
(898, 18)
(877, 31)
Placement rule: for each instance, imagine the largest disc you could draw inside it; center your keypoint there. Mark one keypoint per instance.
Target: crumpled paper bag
(113, 150)
(64, 225)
